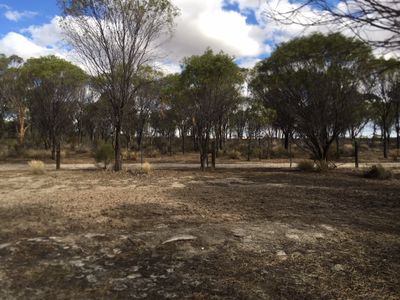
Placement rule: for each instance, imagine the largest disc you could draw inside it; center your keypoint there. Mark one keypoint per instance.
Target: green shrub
(306, 166)
(378, 172)
(104, 154)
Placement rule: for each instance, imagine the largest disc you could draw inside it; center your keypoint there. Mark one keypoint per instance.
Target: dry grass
(37, 167)
(306, 166)
(260, 235)
(147, 167)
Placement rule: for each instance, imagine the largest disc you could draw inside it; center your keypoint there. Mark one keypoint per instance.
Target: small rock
(239, 232)
(327, 227)
(77, 263)
(281, 255)
(338, 268)
(134, 276)
(5, 245)
(293, 236)
(94, 235)
(119, 286)
(91, 278)
(183, 237)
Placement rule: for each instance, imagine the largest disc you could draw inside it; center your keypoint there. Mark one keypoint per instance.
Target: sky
(238, 27)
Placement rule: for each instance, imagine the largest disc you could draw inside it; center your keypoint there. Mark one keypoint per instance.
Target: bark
(58, 155)
(117, 147)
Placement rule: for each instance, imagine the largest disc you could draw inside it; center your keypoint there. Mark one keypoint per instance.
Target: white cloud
(14, 15)
(15, 43)
(205, 24)
(46, 35)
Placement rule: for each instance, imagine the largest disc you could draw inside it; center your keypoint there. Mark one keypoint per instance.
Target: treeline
(313, 90)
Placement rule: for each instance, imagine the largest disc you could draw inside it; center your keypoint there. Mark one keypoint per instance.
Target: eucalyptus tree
(211, 81)
(115, 38)
(311, 82)
(383, 81)
(173, 96)
(375, 21)
(55, 87)
(14, 90)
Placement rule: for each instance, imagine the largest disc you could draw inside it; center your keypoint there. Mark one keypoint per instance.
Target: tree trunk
(183, 142)
(53, 148)
(248, 147)
(286, 133)
(385, 143)
(213, 154)
(398, 126)
(117, 147)
(356, 160)
(58, 155)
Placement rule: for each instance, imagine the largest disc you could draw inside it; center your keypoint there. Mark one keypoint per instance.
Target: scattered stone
(94, 235)
(338, 268)
(77, 263)
(5, 245)
(319, 236)
(117, 251)
(296, 254)
(38, 240)
(292, 236)
(281, 254)
(91, 278)
(239, 232)
(182, 237)
(134, 276)
(178, 185)
(327, 227)
(119, 286)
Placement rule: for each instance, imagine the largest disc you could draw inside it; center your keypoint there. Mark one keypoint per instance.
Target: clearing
(234, 234)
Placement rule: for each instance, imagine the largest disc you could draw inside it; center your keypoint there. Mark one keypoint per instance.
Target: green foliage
(313, 85)
(378, 172)
(104, 154)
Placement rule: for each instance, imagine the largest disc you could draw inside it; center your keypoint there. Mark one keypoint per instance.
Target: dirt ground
(247, 234)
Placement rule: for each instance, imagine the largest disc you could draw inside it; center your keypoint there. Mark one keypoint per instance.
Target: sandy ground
(237, 233)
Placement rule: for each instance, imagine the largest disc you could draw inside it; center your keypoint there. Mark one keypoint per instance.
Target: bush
(322, 166)
(104, 154)
(306, 166)
(36, 166)
(378, 172)
(153, 153)
(146, 167)
(39, 153)
(233, 154)
(279, 151)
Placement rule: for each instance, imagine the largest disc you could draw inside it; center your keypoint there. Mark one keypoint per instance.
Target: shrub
(378, 172)
(38, 153)
(233, 154)
(104, 154)
(306, 166)
(279, 151)
(146, 167)
(36, 166)
(153, 153)
(322, 166)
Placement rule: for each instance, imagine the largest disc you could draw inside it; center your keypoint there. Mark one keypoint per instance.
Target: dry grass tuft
(147, 167)
(378, 172)
(306, 166)
(37, 166)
